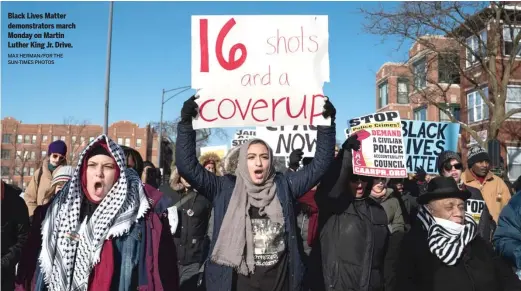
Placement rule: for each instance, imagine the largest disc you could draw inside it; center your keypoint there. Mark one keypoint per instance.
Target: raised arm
(189, 168)
(302, 181)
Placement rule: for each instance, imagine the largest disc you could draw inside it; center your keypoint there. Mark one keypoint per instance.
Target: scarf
(234, 246)
(67, 258)
(447, 243)
(309, 200)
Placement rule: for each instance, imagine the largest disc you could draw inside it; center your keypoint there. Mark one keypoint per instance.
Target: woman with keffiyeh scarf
(442, 251)
(96, 230)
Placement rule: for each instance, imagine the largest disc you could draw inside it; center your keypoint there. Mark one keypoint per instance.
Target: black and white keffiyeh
(67, 259)
(444, 244)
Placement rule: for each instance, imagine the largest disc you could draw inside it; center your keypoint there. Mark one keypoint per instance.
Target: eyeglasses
(359, 179)
(449, 167)
(57, 156)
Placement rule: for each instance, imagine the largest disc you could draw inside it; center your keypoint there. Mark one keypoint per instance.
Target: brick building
(405, 87)
(25, 145)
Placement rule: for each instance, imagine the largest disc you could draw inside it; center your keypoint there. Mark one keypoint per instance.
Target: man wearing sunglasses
(41, 181)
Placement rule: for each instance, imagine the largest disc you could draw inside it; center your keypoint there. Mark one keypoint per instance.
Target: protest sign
(285, 139)
(475, 208)
(382, 151)
(425, 140)
(242, 136)
(259, 70)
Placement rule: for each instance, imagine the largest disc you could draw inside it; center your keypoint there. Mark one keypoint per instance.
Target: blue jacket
(219, 191)
(507, 238)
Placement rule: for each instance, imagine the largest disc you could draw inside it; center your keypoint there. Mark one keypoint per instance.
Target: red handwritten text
(292, 44)
(254, 108)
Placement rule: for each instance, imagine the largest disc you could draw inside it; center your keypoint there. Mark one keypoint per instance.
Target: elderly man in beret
(442, 251)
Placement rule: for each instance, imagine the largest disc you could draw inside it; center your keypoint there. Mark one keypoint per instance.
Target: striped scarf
(446, 245)
(67, 258)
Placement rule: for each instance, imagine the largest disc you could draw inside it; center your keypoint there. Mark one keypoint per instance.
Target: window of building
(18, 155)
(514, 162)
(420, 113)
(17, 171)
(25, 171)
(82, 139)
(27, 139)
(27, 155)
(6, 154)
(19, 138)
(6, 138)
(33, 139)
(120, 140)
(382, 95)
(5, 171)
(403, 92)
(455, 109)
(55, 138)
(31, 171)
(448, 69)
(478, 46)
(33, 156)
(420, 74)
(44, 139)
(44, 154)
(509, 35)
(127, 141)
(513, 100)
(477, 109)
(63, 138)
(138, 143)
(73, 139)
(91, 139)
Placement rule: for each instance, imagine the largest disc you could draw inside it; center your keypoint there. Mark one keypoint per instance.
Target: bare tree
(492, 58)
(25, 157)
(75, 129)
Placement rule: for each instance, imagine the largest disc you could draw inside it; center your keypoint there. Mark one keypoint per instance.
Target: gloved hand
(189, 110)
(352, 143)
(329, 110)
(420, 173)
(294, 159)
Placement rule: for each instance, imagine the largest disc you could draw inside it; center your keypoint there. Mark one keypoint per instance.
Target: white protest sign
(285, 139)
(259, 70)
(382, 151)
(242, 136)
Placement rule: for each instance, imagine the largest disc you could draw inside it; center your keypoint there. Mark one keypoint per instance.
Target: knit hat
(58, 147)
(477, 154)
(62, 174)
(446, 156)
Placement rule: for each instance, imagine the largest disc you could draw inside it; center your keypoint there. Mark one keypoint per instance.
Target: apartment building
(430, 68)
(24, 146)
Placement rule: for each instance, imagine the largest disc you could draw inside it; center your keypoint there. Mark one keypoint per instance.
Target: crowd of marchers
(240, 224)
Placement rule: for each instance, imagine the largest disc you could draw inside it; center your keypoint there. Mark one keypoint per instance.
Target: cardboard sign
(475, 208)
(242, 136)
(285, 139)
(382, 149)
(259, 70)
(425, 140)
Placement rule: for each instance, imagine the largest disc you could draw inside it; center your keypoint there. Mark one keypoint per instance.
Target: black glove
(189, 110)
(351, 143)
(294, 159)
(329, 110)
(420, 173)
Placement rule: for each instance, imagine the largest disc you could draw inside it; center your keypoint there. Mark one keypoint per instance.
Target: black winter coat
(479, 268)
(15, 231)
(353, 233)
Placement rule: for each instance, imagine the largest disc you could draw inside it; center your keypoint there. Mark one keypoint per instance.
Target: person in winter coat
(487, 189)
(507, 237)
(60, 177)
(406, 199)
(103, 231)
(443, 252)
(353, 229)
(15, 231)
(381, 194)
(40, 183)
(254, 244)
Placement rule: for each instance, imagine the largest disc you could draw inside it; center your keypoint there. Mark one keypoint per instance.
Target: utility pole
(107, 73)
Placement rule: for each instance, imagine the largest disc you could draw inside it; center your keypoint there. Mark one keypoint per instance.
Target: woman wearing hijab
(96, 230)
(255, 243)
